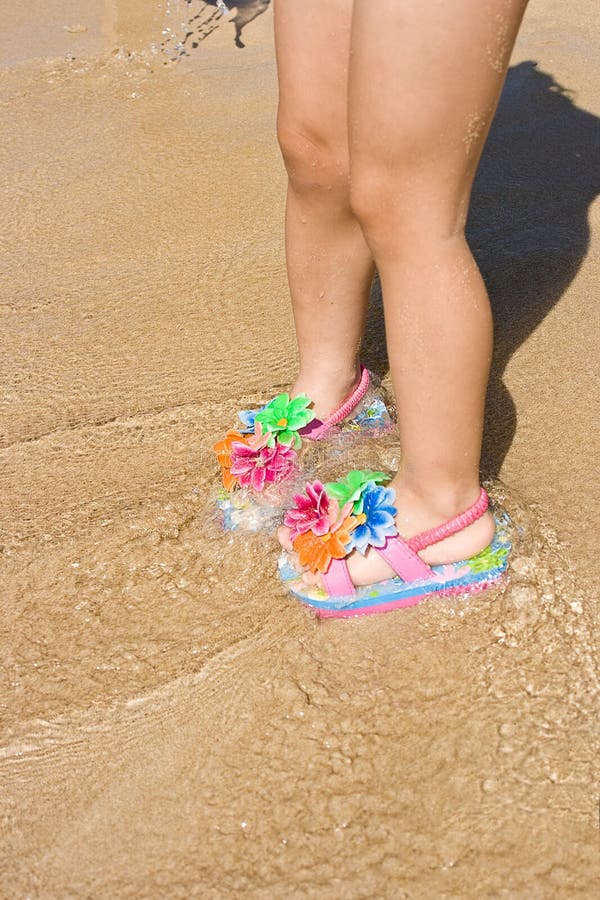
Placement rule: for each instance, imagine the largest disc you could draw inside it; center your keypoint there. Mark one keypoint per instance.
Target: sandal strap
(337, 581)
(403, 559)
(345, 409)
(397, 554)
(402, 555)
(452, 526)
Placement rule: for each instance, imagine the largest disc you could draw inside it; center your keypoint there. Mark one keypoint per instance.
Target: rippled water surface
(172, 709)
(173, 724)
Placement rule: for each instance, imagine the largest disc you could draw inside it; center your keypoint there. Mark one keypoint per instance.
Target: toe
(310, 579)
(294, 562)
(283, 536)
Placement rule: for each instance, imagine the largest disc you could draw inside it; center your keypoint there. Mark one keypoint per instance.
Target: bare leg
(424, 83)
(329, 264)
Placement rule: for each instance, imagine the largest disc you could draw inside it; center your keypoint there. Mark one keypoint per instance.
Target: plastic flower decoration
(374, 416)
(311, 512)
(319, 528)
(248, 419)
(256, 464)
(223, 450)
(376, 521)
(282, 419)
(328, 522)
(317, 551)
(488, 558)
(350, 489)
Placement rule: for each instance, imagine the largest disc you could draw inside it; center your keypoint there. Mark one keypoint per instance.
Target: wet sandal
(329, 521)
(260, 460)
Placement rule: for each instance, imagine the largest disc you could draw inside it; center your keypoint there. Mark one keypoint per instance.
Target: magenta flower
(257, 466)
(312, 511)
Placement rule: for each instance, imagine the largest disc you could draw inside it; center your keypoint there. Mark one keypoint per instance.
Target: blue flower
(377, 520)
(374, 416)
(247, 417)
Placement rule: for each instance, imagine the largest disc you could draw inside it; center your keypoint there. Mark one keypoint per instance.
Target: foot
(327, 390)
(416, 514)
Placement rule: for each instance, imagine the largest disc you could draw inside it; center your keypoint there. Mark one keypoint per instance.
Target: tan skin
(384, 111)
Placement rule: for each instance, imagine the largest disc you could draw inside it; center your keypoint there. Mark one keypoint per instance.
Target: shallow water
(174, 725)
(172, 710)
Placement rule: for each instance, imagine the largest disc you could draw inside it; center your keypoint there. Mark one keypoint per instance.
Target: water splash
(197, 19)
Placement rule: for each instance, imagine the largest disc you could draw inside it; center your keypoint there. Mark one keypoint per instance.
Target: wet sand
(173, 725)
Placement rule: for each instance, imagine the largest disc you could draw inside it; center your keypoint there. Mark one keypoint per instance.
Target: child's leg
(424, 82)
(329, 264)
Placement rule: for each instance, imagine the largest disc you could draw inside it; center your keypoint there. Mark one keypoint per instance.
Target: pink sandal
(329, 521)
(260, 467)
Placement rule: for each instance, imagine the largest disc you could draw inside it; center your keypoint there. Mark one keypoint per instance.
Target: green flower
(282, 418)
(488, 559)
(350, 488)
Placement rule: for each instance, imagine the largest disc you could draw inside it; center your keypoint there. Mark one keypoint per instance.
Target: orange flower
(316, 551)
(223, 451)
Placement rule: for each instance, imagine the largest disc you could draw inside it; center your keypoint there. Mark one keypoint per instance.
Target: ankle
(327, 386)
(442, 499)
(325, 372)
(421, 508)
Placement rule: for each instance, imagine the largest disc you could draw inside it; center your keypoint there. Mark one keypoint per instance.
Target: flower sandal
(329, 521)
(260, 461)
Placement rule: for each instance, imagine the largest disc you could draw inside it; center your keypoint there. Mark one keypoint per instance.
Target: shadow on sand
(528, 228)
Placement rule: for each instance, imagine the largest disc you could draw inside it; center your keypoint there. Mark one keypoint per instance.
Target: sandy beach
(173, 724)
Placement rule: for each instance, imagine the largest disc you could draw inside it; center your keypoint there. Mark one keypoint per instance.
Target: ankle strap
(452, 526)
(339, 414)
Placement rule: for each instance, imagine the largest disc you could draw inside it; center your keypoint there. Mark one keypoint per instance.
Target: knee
(372, 197)
(316, 163)
(405, 205)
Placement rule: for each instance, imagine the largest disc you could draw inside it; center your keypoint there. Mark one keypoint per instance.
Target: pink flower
(312, 511)
(255, 466)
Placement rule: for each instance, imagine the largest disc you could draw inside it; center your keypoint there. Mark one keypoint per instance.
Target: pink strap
(346, 408)
(403, 560)
(402, 555)
(337, 579)
(397, 554)
(452, 526)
